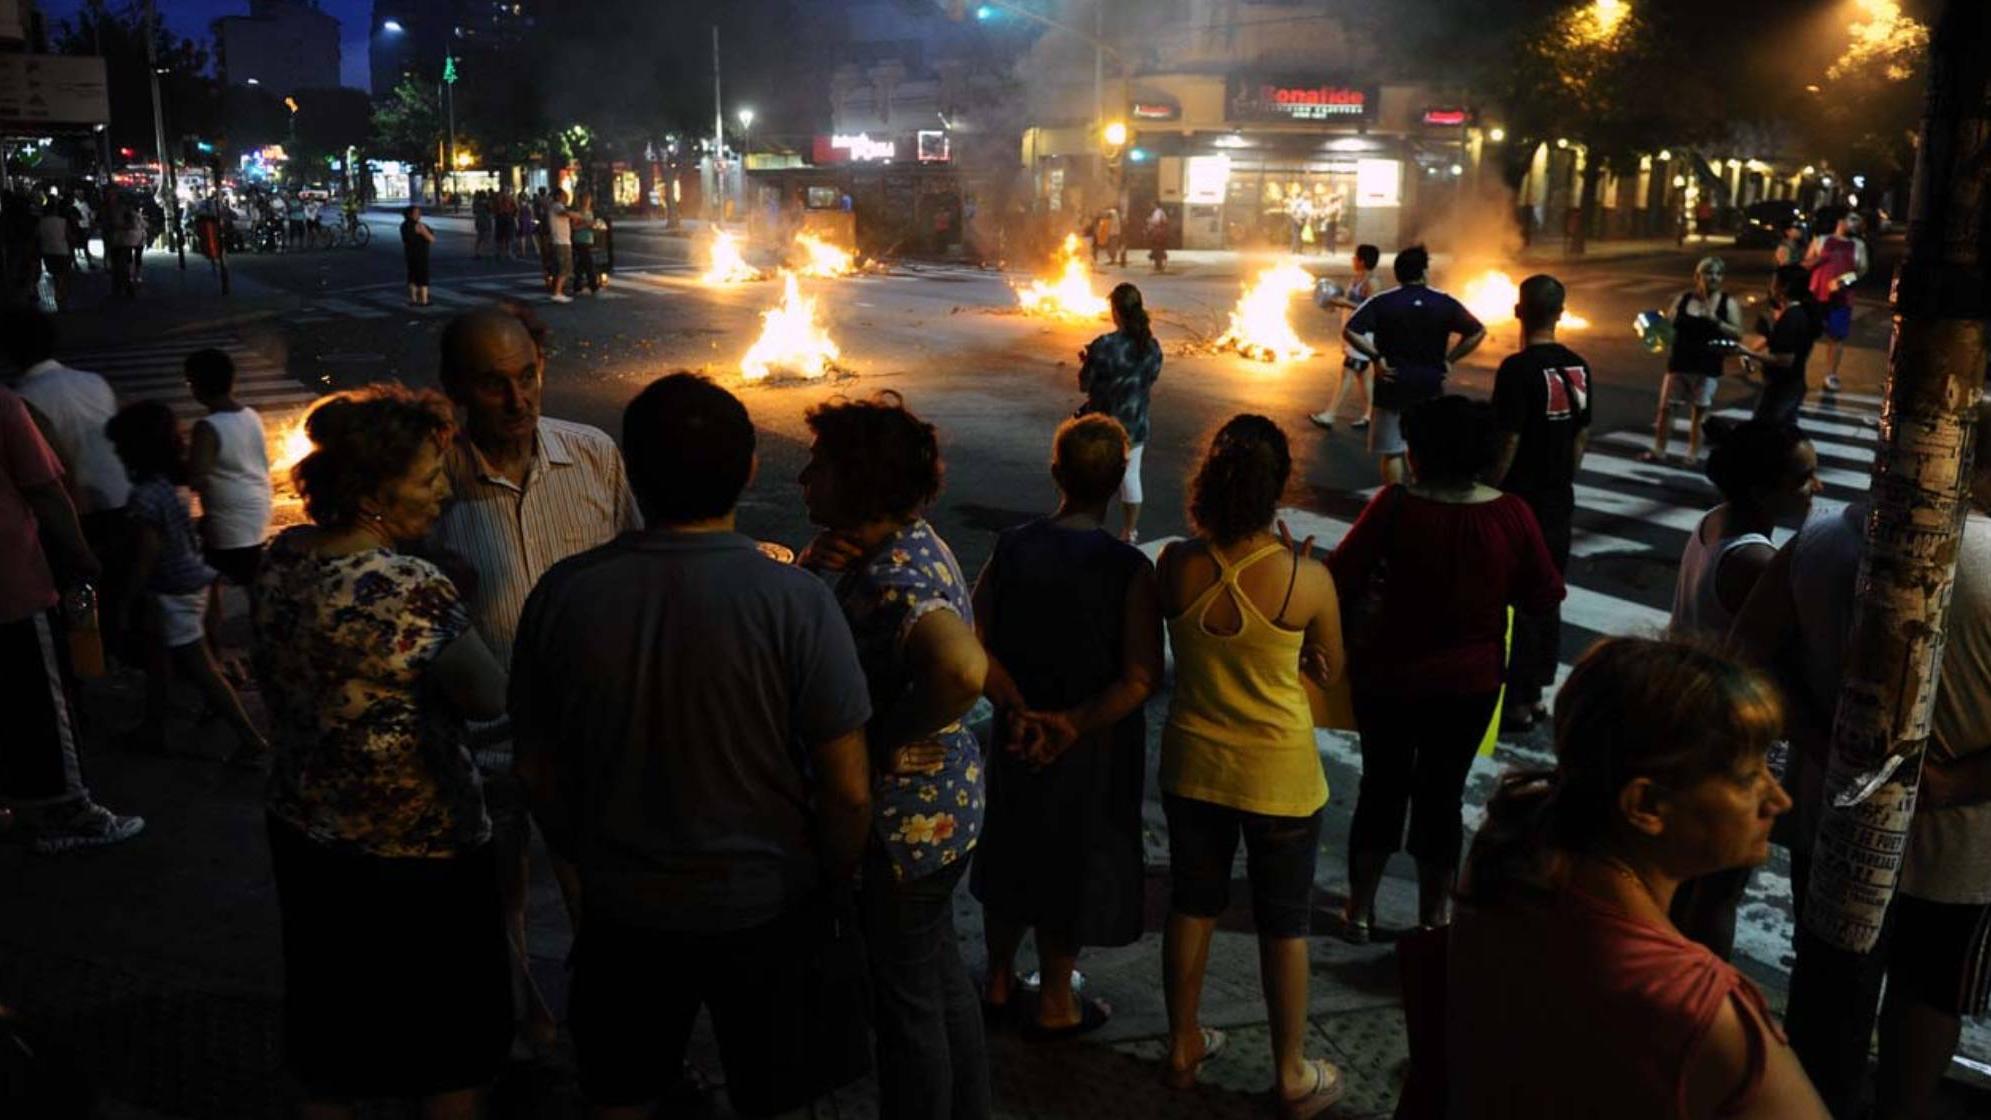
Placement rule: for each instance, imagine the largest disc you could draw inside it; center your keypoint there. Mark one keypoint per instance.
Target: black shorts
(788, 1004)
(397, 973)
(418, 271)
(1279, 857)
(1941, 951)
(237, 565)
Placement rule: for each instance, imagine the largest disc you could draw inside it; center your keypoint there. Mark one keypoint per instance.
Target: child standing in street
(170, 581)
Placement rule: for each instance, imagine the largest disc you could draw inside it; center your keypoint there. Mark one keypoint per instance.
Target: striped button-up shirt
(576, 496)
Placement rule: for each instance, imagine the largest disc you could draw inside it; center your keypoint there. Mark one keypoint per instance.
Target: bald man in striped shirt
(527, 492)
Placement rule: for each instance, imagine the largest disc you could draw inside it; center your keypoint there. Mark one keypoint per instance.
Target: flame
(1069, 294)
(1259, 328)
(725, 264)
(290, 446)
(1491, 297)
(790, 340)
(825, 259)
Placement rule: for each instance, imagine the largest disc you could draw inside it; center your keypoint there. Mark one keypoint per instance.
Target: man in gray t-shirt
(689, 721)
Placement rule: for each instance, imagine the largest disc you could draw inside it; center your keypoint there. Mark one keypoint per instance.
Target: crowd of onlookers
(48, 231)
(759, 777)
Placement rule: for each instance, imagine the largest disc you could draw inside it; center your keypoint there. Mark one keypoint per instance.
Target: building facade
(291, 44)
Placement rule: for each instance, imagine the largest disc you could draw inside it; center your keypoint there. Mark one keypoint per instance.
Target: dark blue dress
(1061, 847)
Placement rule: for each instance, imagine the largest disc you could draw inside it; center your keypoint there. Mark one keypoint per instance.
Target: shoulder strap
(1292, 580)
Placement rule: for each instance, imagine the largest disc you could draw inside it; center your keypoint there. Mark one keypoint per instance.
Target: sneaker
(1322, 421)
(1831, 383)
(1360, 425)
(90, 825)
(560, 299)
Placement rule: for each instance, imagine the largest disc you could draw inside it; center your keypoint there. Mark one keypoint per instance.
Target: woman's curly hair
(1237, 489)
(362, 440)
(883, 459)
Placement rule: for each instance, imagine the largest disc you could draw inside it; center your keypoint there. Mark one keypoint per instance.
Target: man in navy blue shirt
(1411, 326)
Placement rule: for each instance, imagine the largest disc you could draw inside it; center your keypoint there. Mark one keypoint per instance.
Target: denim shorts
(1279, 857)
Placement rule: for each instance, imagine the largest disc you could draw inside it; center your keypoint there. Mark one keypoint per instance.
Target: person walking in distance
(1354, 367)
(1117, 373)
(528, 228)
(1406, 332)
(716, 839)
(42, 550)
(481, 219)
(1541, 412)
(1073, 628)
(52, 233)
(1157, 231)
(1788, 331)
(504, 218)
(582, 217)
(1238, 759)
(416, 241)
(526, 491)
(1837, 262)
(1706, 324)
(559, 246)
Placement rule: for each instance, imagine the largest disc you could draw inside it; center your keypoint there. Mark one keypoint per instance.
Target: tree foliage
(408, 124)
(189, 97)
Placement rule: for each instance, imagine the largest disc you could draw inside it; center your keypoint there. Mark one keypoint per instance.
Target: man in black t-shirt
(1787, 343)
(1406, 332)
(1541, 407)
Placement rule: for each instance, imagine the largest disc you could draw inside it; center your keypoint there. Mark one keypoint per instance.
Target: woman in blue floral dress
(872, 470)
(397, 975)
(1117, 373)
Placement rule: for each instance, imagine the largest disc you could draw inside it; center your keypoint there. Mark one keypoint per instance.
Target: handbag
(1361, 619)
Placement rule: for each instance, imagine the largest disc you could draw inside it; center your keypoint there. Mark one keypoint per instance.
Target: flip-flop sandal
(1213, 1045)
(1655, 459)
(1327, 1089)
(1093, 1015)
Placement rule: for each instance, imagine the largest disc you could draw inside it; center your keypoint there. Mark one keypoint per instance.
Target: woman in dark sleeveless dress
(1072, 624)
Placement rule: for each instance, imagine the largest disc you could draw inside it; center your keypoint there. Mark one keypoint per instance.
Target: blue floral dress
(925, 821)
(368, 758)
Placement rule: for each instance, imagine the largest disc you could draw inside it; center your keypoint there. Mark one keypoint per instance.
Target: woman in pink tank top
(1570, 992)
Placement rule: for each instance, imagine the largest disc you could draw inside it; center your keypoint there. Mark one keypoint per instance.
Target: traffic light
(127, 153)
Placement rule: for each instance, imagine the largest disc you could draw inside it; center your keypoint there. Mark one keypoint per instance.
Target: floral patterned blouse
(368, 757)
(925, 821)
(1116, 377)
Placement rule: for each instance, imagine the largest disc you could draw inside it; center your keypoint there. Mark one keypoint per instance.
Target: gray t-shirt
(673, 683)
(1949, 850)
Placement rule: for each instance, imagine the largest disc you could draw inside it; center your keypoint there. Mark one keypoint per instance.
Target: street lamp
(392, 27)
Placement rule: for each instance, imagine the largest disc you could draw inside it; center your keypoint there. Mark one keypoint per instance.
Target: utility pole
(449, 107)
(1921, 487)
(718, 134)
(169, 192)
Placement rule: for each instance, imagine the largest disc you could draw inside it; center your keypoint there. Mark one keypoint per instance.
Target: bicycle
(351, 232)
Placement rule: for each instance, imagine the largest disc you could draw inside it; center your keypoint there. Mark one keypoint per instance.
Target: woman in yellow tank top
(1246, 616)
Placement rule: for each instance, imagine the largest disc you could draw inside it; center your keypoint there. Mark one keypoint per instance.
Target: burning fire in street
(791, 342)
(725, 265)
(1259, 328)
(820, 258)
(1069, 294)
(1491, 297)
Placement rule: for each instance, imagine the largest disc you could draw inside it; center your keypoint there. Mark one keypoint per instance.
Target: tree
(190, 99)
(327, 122)
(408, 126)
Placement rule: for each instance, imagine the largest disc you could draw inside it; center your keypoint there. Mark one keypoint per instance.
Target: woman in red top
(1570, 992)
(1450, 554)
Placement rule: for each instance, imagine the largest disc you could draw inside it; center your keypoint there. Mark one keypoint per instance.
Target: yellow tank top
(1240, 732)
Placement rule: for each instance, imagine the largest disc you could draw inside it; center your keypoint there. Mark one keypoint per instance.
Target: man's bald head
(491, 366)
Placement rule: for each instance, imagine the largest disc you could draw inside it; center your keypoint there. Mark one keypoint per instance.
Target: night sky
(192, 18)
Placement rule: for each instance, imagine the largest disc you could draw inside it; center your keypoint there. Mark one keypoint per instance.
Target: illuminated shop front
(1253, 160)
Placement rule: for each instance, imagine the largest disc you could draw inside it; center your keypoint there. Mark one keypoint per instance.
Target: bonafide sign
(1257, 98)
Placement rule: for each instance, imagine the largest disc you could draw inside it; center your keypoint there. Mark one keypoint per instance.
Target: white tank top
(1697, 609)
(235, 500)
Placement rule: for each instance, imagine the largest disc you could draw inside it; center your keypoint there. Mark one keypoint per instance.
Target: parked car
(1763, 223)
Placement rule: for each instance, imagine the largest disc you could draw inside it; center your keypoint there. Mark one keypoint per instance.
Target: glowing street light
(392, 27)
(255, 81)
(746, 118)
(1665, 154)
(1496, 134)
(1562, 142)
(1115, 133)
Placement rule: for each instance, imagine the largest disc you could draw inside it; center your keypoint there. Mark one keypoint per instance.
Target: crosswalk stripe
(348, 308)
(154, 371)
(1608, 614)
(457, 299)
(1681, 426)
(1634, 471)
(1860, 457)
(1814, 427)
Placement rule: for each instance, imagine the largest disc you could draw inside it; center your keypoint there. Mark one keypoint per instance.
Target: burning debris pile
(1068, 294)
(1259, 327)
(791, 343)
(819, 258)
(1491, 295)
(725, 264)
